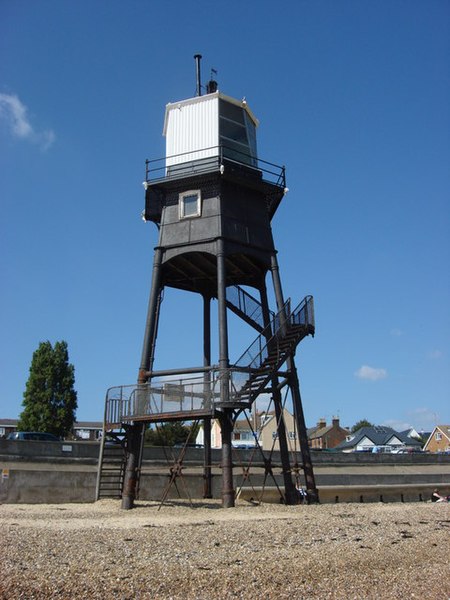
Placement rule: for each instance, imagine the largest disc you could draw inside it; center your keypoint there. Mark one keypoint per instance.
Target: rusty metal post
(226, 420)
(294, 386)
(228, 492)
(133, 445)
(312, 491)
(276, 281)
(291, 496)
(207, 473)
(207, 457)
(151, 325)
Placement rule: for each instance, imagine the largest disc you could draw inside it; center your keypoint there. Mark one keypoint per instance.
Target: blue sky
(352, 96)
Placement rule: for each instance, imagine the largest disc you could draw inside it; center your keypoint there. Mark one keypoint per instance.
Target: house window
(438, 436)
(190, 204)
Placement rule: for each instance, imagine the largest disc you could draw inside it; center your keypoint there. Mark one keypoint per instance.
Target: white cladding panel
(192, 128)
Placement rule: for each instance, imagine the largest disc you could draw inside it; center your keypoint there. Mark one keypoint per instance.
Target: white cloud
(425, 417)
(366, 372)
(396, 332)
(397, 424)
(14, 113)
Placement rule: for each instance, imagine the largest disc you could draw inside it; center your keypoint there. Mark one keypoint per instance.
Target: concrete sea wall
(61, 472)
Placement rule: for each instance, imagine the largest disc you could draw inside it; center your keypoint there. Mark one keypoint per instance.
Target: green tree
(49, 400)
(169, 434)
(362, 423)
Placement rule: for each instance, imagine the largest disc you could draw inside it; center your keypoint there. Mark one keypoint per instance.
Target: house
(370, 439)
(242, 436)
(325, 437)
(268, 430)
(412, 433)
(439, 440)
(322, 436)
(83, 430)
(88, 430)
(216, 435)
(7, 426)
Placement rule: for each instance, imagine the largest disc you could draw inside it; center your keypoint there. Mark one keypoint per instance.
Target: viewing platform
(194, 393)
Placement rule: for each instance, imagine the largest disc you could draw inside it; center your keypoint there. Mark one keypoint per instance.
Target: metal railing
(200, 394)
(303, 314)
(214, 158)
(246, 304)
(257, 353)
(160, 396)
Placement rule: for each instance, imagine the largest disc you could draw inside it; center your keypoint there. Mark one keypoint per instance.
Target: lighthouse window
(233, 131)
(237, 134)
(190, 204)
(231, 112)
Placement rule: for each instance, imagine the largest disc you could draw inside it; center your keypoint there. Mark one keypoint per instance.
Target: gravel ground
(351, 551)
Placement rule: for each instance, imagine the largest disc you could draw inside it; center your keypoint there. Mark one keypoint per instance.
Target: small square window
(190, 204)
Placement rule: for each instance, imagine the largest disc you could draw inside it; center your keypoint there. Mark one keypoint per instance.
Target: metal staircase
(111, 466)
(245, 306)
(272, 347)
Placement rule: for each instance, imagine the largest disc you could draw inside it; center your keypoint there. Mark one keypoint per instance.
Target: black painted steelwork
(225, 244)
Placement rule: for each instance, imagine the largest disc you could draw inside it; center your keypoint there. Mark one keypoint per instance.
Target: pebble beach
(204, 552)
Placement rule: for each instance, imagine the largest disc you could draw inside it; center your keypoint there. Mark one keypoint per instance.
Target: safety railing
(303, 314)
(269, 339)
(246, 304)
(201, 394)
(171, 397)
(160, 396)
(214, 158)
(258, 351)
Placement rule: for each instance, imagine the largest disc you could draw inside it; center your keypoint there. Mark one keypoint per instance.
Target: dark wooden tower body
(213, 201)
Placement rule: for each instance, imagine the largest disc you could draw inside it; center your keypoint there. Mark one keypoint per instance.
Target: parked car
(33, 435)
(407, 450)
(190, 445)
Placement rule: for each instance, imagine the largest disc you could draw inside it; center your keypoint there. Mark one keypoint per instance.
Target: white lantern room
(203, 129)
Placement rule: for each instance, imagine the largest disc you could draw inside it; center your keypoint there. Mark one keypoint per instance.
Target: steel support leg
(228, 492)
(291, 496)
(148, 346)
(226, 421)
(294, 385)
(133, 441)
(313, 493)
(290, 493)
(207, 474)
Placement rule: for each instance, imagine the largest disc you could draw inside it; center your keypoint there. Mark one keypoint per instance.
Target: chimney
(322, 422)
(198, 58)
(335, 422)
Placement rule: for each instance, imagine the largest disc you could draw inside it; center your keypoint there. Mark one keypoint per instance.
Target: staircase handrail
(258, 350)
(303, 314)
(247, 304)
